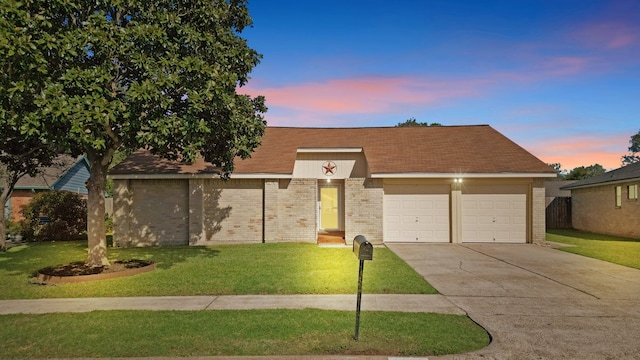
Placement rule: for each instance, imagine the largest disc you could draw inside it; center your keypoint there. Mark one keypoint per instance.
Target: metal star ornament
(329, 168)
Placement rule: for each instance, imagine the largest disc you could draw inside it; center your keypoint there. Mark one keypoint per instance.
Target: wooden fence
(558, 214)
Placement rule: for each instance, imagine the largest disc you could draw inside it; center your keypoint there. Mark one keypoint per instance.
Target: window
(618, 196)
(632, 192)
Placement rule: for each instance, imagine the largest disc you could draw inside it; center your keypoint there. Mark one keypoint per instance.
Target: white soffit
(198, 176)
(462, 176)
(330, 150)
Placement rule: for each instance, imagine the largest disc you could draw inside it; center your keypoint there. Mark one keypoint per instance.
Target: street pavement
(535, 301)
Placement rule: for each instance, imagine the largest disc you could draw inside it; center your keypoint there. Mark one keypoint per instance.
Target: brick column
(196, 209)
(456, 213)
(270, 231)
(538, 220)
(122, 198)
(363, 209)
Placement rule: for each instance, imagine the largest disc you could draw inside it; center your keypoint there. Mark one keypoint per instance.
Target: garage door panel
(494, 218)
(485, 205)
(442, 220)
(416, 217)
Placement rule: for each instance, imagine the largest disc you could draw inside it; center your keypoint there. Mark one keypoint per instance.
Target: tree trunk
(4, 197)
(3, 232)
(97, 239)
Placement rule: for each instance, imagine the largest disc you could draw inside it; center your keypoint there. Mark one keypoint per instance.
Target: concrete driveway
(535, 301)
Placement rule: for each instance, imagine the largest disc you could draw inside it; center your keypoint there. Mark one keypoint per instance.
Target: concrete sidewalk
(382, 302)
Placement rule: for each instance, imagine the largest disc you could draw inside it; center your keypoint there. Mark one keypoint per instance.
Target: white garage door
(412, 214)
(494, 218)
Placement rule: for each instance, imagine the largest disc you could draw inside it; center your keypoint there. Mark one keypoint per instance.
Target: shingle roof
(388, 150)
(629, 172)
(48, 177)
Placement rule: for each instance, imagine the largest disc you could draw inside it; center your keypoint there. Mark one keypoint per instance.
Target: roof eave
(198, 176)
(330, 150)
(40, 187)
(600, 183)
(461, 175)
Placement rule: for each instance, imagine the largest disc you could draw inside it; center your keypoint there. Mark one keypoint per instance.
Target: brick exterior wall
(181, 211)
(271, 218)
(363, 209)
(197, 234)
(212, 211)
(151, 212)
(538, 213)
(232, 210)
(122, 213)
(19, 199)
(297, 210)
(594, 209)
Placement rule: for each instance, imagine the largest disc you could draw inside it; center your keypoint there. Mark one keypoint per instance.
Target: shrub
(66, 213)
(13, 227)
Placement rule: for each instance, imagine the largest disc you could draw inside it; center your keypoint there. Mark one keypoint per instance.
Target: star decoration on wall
(329, 168)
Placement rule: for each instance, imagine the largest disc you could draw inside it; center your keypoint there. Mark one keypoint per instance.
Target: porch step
(331, 237)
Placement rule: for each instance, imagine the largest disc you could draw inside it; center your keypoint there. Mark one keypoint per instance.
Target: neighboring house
(558, 204)
(68, 174)
(608, 203)
(393, 184)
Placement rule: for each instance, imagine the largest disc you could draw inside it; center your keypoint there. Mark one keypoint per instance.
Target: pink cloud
(366, 95)
(564, 65)
(607, 34)
(576, 151)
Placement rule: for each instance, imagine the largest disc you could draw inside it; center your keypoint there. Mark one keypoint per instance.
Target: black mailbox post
(363, 250)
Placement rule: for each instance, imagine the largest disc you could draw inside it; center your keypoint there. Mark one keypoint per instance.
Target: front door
(329, 208)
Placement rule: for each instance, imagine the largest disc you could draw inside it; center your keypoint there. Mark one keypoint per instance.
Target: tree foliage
(120, 75)
(66, 215)
(634, 149)
(21, 154)
(582, 172)
(557, 167)
(411, 122)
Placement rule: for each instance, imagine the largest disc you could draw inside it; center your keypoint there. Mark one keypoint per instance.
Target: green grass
(617, 250)
(280, 268)
(253, 332)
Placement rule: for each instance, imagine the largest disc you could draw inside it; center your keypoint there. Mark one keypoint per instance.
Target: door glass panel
(329, 209)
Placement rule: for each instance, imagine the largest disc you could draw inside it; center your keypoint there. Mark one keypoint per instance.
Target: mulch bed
(79, 271)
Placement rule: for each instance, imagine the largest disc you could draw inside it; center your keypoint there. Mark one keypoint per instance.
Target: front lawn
(279, 268)
(617, 250)
(116, 334)
(229, 269)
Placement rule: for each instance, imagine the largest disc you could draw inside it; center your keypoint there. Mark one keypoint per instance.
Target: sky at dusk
(559, 77)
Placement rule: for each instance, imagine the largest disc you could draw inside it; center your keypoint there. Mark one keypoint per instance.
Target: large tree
(412, 122)
(582, 172)
(634, 148)
(22, 79)
(125, 74)
(558, 168)
(19, 156)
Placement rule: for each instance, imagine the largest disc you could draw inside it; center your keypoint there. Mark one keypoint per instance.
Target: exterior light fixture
(457, 180)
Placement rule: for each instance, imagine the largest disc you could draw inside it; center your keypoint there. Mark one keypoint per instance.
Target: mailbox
(362, 249)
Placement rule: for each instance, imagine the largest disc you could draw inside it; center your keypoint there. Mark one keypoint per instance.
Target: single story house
(444, 184)
(608, 203)
(67, 174)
